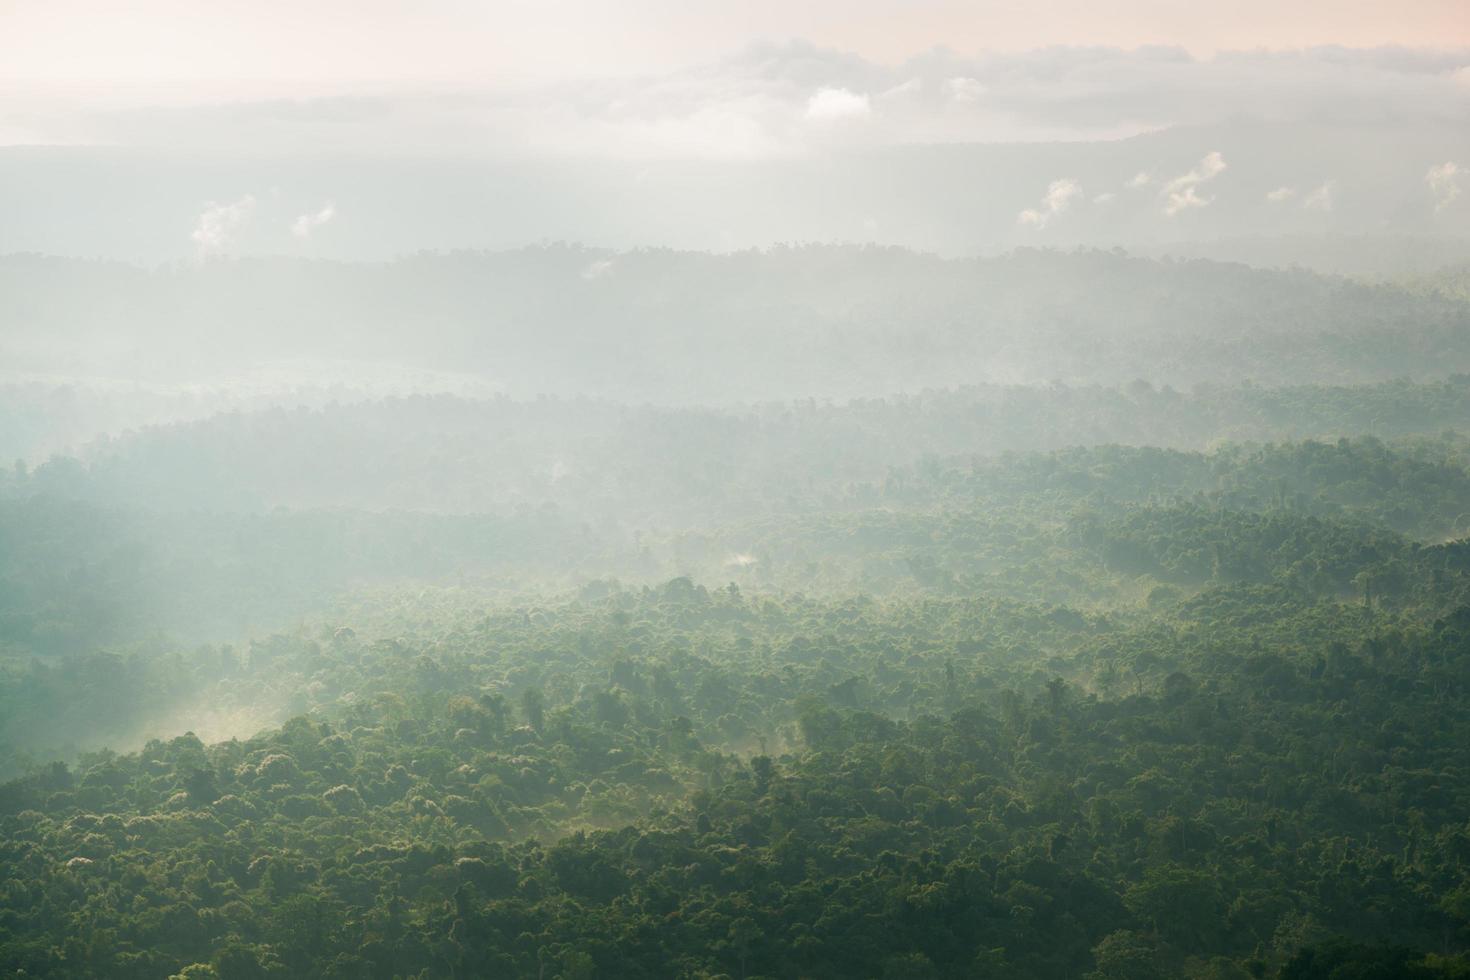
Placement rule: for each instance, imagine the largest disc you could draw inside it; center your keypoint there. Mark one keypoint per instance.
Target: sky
(362, 128)
(266, 48)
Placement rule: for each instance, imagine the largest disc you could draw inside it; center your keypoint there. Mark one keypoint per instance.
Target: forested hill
(1352, 521)
(1114, 712)
(1120, 679)
(644, 464)
(786, 322)
(699, 783)
(471, 506)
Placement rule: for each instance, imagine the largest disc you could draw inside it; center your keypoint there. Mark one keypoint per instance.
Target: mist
(912, 490)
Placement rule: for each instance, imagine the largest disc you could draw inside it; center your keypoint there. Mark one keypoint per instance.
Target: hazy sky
(494, 124)
(253, 48)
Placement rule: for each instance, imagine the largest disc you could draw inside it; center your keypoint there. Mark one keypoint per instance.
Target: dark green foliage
(925, 808)
(1113, 713)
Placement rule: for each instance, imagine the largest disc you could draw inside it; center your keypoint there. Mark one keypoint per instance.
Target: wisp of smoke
(1059, 196)
(1444, 183)
(307, 223)
(597, 268)
(218, 223)
(1321, 199)
(1182, 193)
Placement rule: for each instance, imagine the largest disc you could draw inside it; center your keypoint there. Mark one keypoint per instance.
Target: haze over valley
(895, 490)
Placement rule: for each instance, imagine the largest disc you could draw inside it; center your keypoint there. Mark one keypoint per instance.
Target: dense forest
(880, 490)
(681, 780)
(884, 490)
(1105, 682)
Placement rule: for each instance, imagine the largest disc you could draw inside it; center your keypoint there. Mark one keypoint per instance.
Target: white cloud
(831, 104)
(1059, 197)
(1444, 183)
(307, 223)
(905, 89)
(753, 103)
(1281, 195)
(1141, 179)
(964, 89)
(1321, 199)
(1182, 193)
(218, 223)
(1107, 197)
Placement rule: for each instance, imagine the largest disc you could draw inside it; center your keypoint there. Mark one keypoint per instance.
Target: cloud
(1444, 183)
(218, 223)
(1182, 193)
(1059, 197)
(1107, 197)
(307, 223)
(1140, 180)
(906, 89)
(760, 103)
(836, 104)
(1321, 199)
(1281, 195)
(964, 89)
